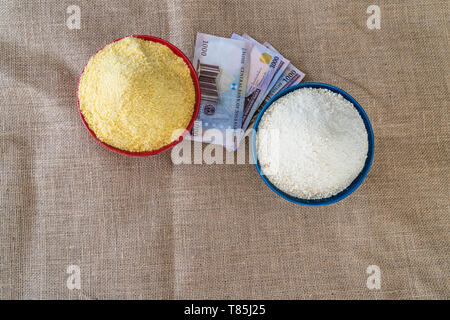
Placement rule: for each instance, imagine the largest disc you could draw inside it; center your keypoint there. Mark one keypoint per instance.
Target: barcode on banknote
(208, 81)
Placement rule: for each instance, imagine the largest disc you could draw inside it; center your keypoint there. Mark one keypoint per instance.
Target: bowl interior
(358, 180)
(194, 77)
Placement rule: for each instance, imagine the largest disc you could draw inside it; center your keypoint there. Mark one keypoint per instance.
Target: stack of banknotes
(238, 76)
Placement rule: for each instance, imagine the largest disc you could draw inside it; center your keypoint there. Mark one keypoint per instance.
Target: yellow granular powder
(136, 95)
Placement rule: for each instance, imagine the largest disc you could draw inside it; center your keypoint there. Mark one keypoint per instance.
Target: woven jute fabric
(145, 228)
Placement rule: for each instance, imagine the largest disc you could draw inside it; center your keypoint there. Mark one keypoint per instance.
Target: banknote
(264, 65)
(281, 68)
(291, 76)
(222, 65)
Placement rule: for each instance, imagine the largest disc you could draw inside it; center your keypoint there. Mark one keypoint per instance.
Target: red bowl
(194, 76)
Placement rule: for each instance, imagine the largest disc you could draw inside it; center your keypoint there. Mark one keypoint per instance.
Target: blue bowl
(358, 180)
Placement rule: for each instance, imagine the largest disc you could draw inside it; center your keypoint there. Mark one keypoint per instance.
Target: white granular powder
(311, 143)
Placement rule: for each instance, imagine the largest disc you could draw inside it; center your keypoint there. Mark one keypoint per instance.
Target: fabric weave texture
(144, 228)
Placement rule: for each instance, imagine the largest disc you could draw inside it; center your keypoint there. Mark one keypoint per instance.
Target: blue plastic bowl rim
(355, 183)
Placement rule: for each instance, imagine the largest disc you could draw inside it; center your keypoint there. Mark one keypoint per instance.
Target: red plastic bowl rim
(194, 77)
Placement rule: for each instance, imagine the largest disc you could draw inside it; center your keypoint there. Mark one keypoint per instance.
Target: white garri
(311, 143)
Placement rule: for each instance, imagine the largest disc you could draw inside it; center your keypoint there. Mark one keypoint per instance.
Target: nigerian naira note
(281, 68)
(264, 66)
(222, 66)
(291, 76)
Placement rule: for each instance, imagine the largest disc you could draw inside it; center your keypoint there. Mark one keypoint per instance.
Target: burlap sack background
(145, 228)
